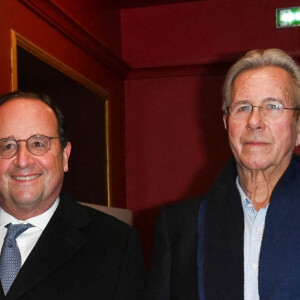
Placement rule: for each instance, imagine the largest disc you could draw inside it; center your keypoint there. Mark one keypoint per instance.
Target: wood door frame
(18, 40)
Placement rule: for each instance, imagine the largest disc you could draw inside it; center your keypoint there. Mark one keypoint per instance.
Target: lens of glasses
(37, 145)
(8, 148)
(271, 110)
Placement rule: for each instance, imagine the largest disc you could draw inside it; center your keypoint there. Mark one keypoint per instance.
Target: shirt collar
(39, 221)
(244, 198)
(246, 202)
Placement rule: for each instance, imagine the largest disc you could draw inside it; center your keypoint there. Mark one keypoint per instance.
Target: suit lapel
(59, 241)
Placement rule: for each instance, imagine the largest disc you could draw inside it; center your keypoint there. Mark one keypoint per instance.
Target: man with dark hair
(53, 247)
(242, 239)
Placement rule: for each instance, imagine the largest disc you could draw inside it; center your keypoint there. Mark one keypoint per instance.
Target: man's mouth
(26, 178)
(256, 142)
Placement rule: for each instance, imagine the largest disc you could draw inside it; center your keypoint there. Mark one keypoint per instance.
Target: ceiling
(143, 3)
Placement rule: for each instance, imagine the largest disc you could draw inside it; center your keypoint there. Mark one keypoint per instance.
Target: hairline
(60, 125)
(259, 59)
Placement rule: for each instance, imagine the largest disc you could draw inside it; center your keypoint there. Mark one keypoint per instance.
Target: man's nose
(255, 119)
(23, 157)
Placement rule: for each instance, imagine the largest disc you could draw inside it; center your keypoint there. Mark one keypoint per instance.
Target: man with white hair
(242, 239)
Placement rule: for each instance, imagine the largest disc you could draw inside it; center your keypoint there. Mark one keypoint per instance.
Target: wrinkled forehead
(262, 83)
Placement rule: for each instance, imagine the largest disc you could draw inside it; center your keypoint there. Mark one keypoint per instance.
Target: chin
(26, 199)
(255, 164)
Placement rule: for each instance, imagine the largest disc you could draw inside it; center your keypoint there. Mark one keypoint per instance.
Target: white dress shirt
(27, 240)
(253, 234)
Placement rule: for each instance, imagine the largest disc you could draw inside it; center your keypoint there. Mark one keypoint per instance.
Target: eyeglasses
(270, 110)
(37, 145)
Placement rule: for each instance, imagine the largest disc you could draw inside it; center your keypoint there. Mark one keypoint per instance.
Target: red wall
(175, 140)
(203, 31)
(16, 16)
(99, 17)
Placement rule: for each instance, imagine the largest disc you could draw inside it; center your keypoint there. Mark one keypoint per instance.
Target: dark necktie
(10, 260)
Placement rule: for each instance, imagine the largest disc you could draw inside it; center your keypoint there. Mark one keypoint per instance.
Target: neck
(258, 185)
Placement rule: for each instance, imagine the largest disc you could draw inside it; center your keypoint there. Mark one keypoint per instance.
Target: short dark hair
(61, 124)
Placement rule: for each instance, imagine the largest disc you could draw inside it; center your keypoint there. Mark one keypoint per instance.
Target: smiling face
(258, 144)
(30, 184)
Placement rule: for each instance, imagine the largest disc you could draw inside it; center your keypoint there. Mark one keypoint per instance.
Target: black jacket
(173, 274)
(82, 254)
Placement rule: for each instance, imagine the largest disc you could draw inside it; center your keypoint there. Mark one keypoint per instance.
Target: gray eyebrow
(272, 99)
(241, 102)
(11, 137)
(268, 99)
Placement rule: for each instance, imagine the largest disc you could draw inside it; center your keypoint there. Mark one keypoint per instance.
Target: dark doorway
(84, 112)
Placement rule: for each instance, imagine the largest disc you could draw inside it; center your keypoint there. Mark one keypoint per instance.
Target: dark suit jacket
(82, 254)
(173, 274)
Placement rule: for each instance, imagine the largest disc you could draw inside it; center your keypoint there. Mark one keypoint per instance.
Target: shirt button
(249, 205)
(254, 266)
(259, 230)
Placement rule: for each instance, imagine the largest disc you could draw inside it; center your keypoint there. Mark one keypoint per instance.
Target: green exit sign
(288, 17)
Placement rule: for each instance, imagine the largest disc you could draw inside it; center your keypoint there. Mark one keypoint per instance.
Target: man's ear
(298, 138)
(297, 121)
(66, 155)
(225, 118)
